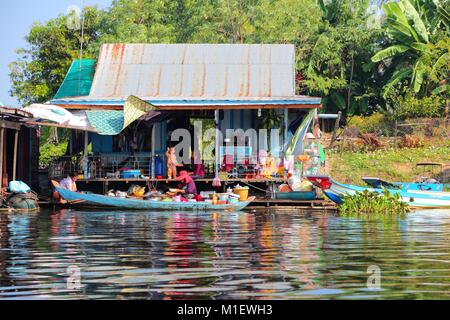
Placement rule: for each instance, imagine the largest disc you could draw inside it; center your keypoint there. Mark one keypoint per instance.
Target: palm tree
(410, 53)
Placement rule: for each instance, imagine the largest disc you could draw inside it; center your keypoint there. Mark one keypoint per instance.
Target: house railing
(110, 166)
(100, 166)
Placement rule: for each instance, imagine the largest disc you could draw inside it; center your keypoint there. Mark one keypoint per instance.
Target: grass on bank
(389, 164)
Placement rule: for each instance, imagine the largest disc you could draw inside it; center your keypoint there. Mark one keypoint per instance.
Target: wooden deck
(264, 202)
(207, 180)
(202, 183)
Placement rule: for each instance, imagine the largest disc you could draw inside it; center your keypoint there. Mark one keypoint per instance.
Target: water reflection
(148, 255)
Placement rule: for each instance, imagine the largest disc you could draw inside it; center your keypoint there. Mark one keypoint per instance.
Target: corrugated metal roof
(14, 112)
(197, 103)
(194, 70)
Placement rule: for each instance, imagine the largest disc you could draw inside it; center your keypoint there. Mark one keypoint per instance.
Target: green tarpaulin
(78, 80)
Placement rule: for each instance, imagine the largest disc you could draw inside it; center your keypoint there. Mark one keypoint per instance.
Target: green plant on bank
(405, 104)
(390, 164)
(375, 123)
(373, 203)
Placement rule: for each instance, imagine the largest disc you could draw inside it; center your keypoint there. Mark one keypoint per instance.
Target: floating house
(19, 148)
(223, 86)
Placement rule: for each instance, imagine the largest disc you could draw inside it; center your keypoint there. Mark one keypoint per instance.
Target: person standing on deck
(172, 163)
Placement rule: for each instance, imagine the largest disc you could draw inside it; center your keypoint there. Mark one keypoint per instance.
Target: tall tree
(43, 64)
(339, 67)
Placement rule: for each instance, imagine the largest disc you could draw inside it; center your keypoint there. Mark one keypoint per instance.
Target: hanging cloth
(296, 145)
(112, 122)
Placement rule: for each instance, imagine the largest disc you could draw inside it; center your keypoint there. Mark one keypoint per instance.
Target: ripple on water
(149, 255)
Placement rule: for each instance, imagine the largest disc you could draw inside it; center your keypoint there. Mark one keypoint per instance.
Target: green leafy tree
(137, 21)
(339, 67)
(43, 64)
(416, 48)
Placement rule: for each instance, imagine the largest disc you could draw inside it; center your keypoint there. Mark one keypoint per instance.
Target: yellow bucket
(242, 193)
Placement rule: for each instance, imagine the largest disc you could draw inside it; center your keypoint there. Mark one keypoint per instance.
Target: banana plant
(411, 53)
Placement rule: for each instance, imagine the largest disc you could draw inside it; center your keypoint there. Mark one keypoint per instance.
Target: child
(172, 163)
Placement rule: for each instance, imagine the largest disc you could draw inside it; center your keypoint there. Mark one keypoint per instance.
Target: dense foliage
(356, 57)
(373, 203)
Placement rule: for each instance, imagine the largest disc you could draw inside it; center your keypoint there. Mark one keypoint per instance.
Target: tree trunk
(349, 92)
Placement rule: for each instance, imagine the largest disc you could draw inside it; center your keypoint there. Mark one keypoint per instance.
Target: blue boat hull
(136, 204)
(416, 199)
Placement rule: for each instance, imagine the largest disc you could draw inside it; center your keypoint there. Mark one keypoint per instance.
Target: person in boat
(69, 183)
(187, 185)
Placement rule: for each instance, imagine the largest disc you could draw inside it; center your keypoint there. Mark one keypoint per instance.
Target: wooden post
(2, 138)
(286, 124)
(336, 127)
(395, 135)
(86, 153)
(216, 144)
(342, 144)
(16, 142)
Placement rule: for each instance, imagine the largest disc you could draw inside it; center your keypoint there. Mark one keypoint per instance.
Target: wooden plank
(197, 180)
(57, 125)
(10, 125)
(16, 142)
(15, 112)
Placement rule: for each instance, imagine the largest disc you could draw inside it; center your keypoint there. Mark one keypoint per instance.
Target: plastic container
(131, 174)
(223, 196)
(158, 167)
(296, 195)
(215, 199)
(242, 193)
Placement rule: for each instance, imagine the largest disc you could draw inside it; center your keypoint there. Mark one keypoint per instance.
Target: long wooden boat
(137, 204)
(335, 191)
(428, 182)
(378, 183)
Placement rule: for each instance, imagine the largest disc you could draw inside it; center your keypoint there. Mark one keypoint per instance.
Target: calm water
(300, 255)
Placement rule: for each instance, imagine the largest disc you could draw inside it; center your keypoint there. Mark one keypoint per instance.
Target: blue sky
(16, 18)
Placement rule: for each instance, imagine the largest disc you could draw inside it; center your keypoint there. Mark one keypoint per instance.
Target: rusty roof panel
(194, 70)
